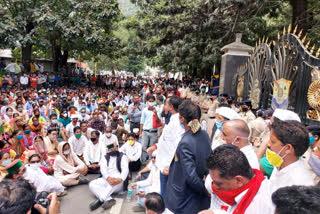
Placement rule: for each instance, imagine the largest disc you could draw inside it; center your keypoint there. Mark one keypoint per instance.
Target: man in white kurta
(112, 179)
(94, 151)
(77, 144)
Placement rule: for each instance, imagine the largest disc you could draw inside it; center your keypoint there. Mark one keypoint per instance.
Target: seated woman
(68, 167)
(51, 141)
(133, 151)
(36, 126)
(35, 175)
(40, 148)
(18, 123)
(28, 136)
(17, 145)
(5, 147)
(4, 161)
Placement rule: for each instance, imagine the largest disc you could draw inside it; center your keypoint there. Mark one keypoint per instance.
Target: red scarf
(229, 196)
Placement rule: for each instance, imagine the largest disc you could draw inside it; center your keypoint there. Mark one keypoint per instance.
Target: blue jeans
(163, 184)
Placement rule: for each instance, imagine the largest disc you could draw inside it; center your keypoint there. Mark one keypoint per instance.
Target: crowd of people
(193, 150)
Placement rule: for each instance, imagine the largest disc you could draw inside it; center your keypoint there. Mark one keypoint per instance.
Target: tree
(18, 26)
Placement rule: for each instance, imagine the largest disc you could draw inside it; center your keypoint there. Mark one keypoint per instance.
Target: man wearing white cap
(74, 123)
(223, 114)
(114, 170)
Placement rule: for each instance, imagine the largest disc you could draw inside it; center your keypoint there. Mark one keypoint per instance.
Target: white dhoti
(103, 190)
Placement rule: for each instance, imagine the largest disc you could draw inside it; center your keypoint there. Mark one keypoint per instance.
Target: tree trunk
(27, 50)
(299, 14)
(26, 57)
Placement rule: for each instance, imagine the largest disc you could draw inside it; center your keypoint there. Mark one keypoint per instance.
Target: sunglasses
(35, 161)
(153, 158)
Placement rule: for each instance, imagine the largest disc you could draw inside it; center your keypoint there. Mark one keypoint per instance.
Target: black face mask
(93, 139)
(229, 102)
(158, 94)
(245, 109)
(37, 115)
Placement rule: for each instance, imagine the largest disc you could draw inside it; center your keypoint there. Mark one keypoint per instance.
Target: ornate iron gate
(281, 73)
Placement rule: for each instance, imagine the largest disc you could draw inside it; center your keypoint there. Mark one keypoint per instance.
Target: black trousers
(134, 166)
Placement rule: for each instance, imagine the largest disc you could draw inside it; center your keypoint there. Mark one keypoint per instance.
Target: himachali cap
(285, 115)
(14, 166)
(268, 113)
(228, 113)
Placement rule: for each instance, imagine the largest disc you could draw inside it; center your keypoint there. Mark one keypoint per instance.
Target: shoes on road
(138, 209)
(83, 181)
(108, 204)
(95, 205)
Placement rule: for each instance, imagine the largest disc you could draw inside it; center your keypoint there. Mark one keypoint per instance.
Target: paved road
(79, 197)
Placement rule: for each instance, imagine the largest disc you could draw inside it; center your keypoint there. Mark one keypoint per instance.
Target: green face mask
(78, 135)
(202, 91)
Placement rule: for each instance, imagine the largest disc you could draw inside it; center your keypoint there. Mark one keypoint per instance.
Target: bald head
(235, 130)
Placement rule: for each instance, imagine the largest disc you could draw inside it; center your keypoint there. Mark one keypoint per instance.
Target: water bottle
(129, 195)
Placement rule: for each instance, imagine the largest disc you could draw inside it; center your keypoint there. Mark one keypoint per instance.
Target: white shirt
(70, 128)
(107, 141)
(77, 145)
(85, 118)
(261, 203)
(111, 170)
(294, 174)
(168, 142)
(41, 181)
(251, 156)
(153, 180)
(132, 152)
(93, 153)
(24, 80)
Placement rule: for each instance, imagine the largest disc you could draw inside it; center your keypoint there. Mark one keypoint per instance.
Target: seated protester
(8, 116)
(72, 110)
(288, 141)
(68, 167)
(223, 114)
(97, 123)
(297, 199)
(36, 126)
(154, 203)
(5, 160)
(28, 136)
(123, 125)
(35, 175)
(108, 138)
(94, 151)
(70, 126)
(151, 184)
(85, 130)
(17, 145)
(15, 170)
(37, 114)
(77, 142)
(114, 170)
(234, 186)
(64, 119)
(120, 132)
(83, 117)
(52, 143)
(22, 113)
(132, 149)
(18, 123)
(54, 125)
(5, 147)
(313, 150)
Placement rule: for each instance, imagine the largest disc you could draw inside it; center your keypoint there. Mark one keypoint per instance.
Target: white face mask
(54, 121)
(66, 152)
(108, 135)
(65, 115)
(151, 104)
(35, 165)
(267, 122)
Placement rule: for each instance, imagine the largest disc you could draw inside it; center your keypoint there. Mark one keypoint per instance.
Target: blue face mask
(182, 126)
(19, 137)
(219, 125)
(311, 140)
(6, 162)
